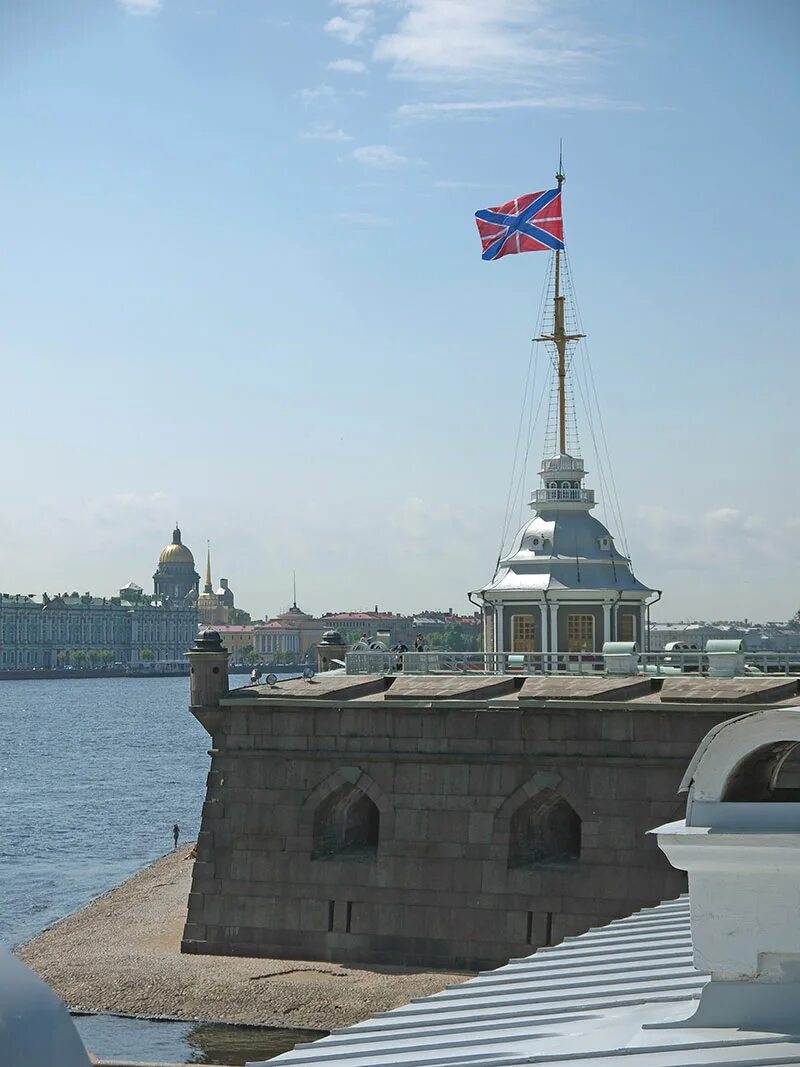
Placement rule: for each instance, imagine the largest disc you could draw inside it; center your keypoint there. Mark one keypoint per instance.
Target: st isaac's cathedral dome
(175, 578)
(176, 552)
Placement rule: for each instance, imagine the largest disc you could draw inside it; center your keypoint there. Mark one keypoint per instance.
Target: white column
(545, 642)
(554, 633)
(606, 623)
(499, 625)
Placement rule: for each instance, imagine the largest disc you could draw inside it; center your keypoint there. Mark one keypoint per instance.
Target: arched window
(545, 829)
(768, 773)
(346, 824)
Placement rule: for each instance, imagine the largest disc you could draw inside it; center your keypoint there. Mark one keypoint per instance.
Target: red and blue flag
(529, 223)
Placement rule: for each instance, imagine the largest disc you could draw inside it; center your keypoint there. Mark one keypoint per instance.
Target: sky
(241, 287)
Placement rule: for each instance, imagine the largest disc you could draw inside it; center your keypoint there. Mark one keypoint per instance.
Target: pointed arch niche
(537, 825)
(346, 824)
(346, 816)
(545, 828)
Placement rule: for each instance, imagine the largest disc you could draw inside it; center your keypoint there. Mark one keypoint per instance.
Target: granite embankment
(121, 955)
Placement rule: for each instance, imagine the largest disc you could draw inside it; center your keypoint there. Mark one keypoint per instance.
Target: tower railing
(543, 496)
(562, 463)
(660, 664)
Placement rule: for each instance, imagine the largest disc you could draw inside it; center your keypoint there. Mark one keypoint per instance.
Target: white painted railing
(542, 496)
(656, 663)
(562, 463)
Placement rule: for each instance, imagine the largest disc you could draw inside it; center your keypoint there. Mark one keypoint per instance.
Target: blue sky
(242, 287)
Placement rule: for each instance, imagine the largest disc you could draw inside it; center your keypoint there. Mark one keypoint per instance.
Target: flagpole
(560, 338)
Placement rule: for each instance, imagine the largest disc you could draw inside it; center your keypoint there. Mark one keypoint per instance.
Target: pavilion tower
(563, 587)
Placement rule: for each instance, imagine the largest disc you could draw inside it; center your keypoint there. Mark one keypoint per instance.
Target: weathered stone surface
(696, 690)
(446, 784)
(583, 687)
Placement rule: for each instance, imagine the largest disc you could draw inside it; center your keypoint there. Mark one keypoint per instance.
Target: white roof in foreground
(616, 995)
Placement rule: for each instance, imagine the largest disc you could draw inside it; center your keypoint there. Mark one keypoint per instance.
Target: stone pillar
(208, 662)
(554, 635)
(545, 641)
(607, 634)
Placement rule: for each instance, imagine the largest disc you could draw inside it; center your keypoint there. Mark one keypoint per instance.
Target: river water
(93, 773)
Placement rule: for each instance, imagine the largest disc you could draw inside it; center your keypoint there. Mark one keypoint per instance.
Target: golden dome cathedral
(175, 578)
(176, 552)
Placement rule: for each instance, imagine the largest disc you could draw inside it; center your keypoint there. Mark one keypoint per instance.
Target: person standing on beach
(175, 832)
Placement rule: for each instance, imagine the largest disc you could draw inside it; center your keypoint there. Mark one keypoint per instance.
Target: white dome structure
(564, 586)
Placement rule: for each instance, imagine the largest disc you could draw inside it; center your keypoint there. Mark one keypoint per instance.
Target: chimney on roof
(740, 844)
(376, 609)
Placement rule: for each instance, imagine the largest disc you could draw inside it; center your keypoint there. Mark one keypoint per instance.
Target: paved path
(121, 955)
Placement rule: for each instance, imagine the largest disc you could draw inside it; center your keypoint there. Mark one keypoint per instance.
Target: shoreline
(47, 674)
(120, 955)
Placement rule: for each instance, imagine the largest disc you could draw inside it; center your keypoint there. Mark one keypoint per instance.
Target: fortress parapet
(441, 820)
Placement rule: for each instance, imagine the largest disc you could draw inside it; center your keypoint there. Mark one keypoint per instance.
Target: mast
(560, 337)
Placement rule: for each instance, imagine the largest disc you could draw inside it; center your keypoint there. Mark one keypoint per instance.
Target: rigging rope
(516, 454)
(583, 375)
(527, 404)
(589, 377)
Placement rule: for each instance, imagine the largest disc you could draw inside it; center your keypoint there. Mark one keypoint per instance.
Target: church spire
(208, 587)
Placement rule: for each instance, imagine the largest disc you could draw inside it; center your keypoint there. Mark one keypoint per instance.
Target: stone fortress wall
(440, 821)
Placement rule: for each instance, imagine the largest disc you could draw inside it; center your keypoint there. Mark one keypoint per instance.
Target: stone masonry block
(411, 825)
(617, 726)
(460, 724)
(480, 826)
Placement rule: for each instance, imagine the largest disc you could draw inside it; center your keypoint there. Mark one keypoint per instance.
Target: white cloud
(347, 66)
(325, 132)
(567, 102)
(505, 40)
(723, 517)
(378, 155)
(140, 7)
(317, 94)
(350, 30)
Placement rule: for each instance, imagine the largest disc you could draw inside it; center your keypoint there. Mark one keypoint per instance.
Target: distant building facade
(238, 638)
(67, 630)
(354, 624)
(293, 632)
(70, 629)
(769, 637)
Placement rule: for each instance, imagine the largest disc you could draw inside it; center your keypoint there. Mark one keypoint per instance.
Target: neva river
(93, 773)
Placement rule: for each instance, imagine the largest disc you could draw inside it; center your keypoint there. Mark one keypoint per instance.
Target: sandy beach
(121, 954)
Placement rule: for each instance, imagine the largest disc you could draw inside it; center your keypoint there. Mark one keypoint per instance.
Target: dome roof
(563, 547)
(176, 552)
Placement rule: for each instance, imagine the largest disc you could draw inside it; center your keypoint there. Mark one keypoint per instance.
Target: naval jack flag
(530, 223)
